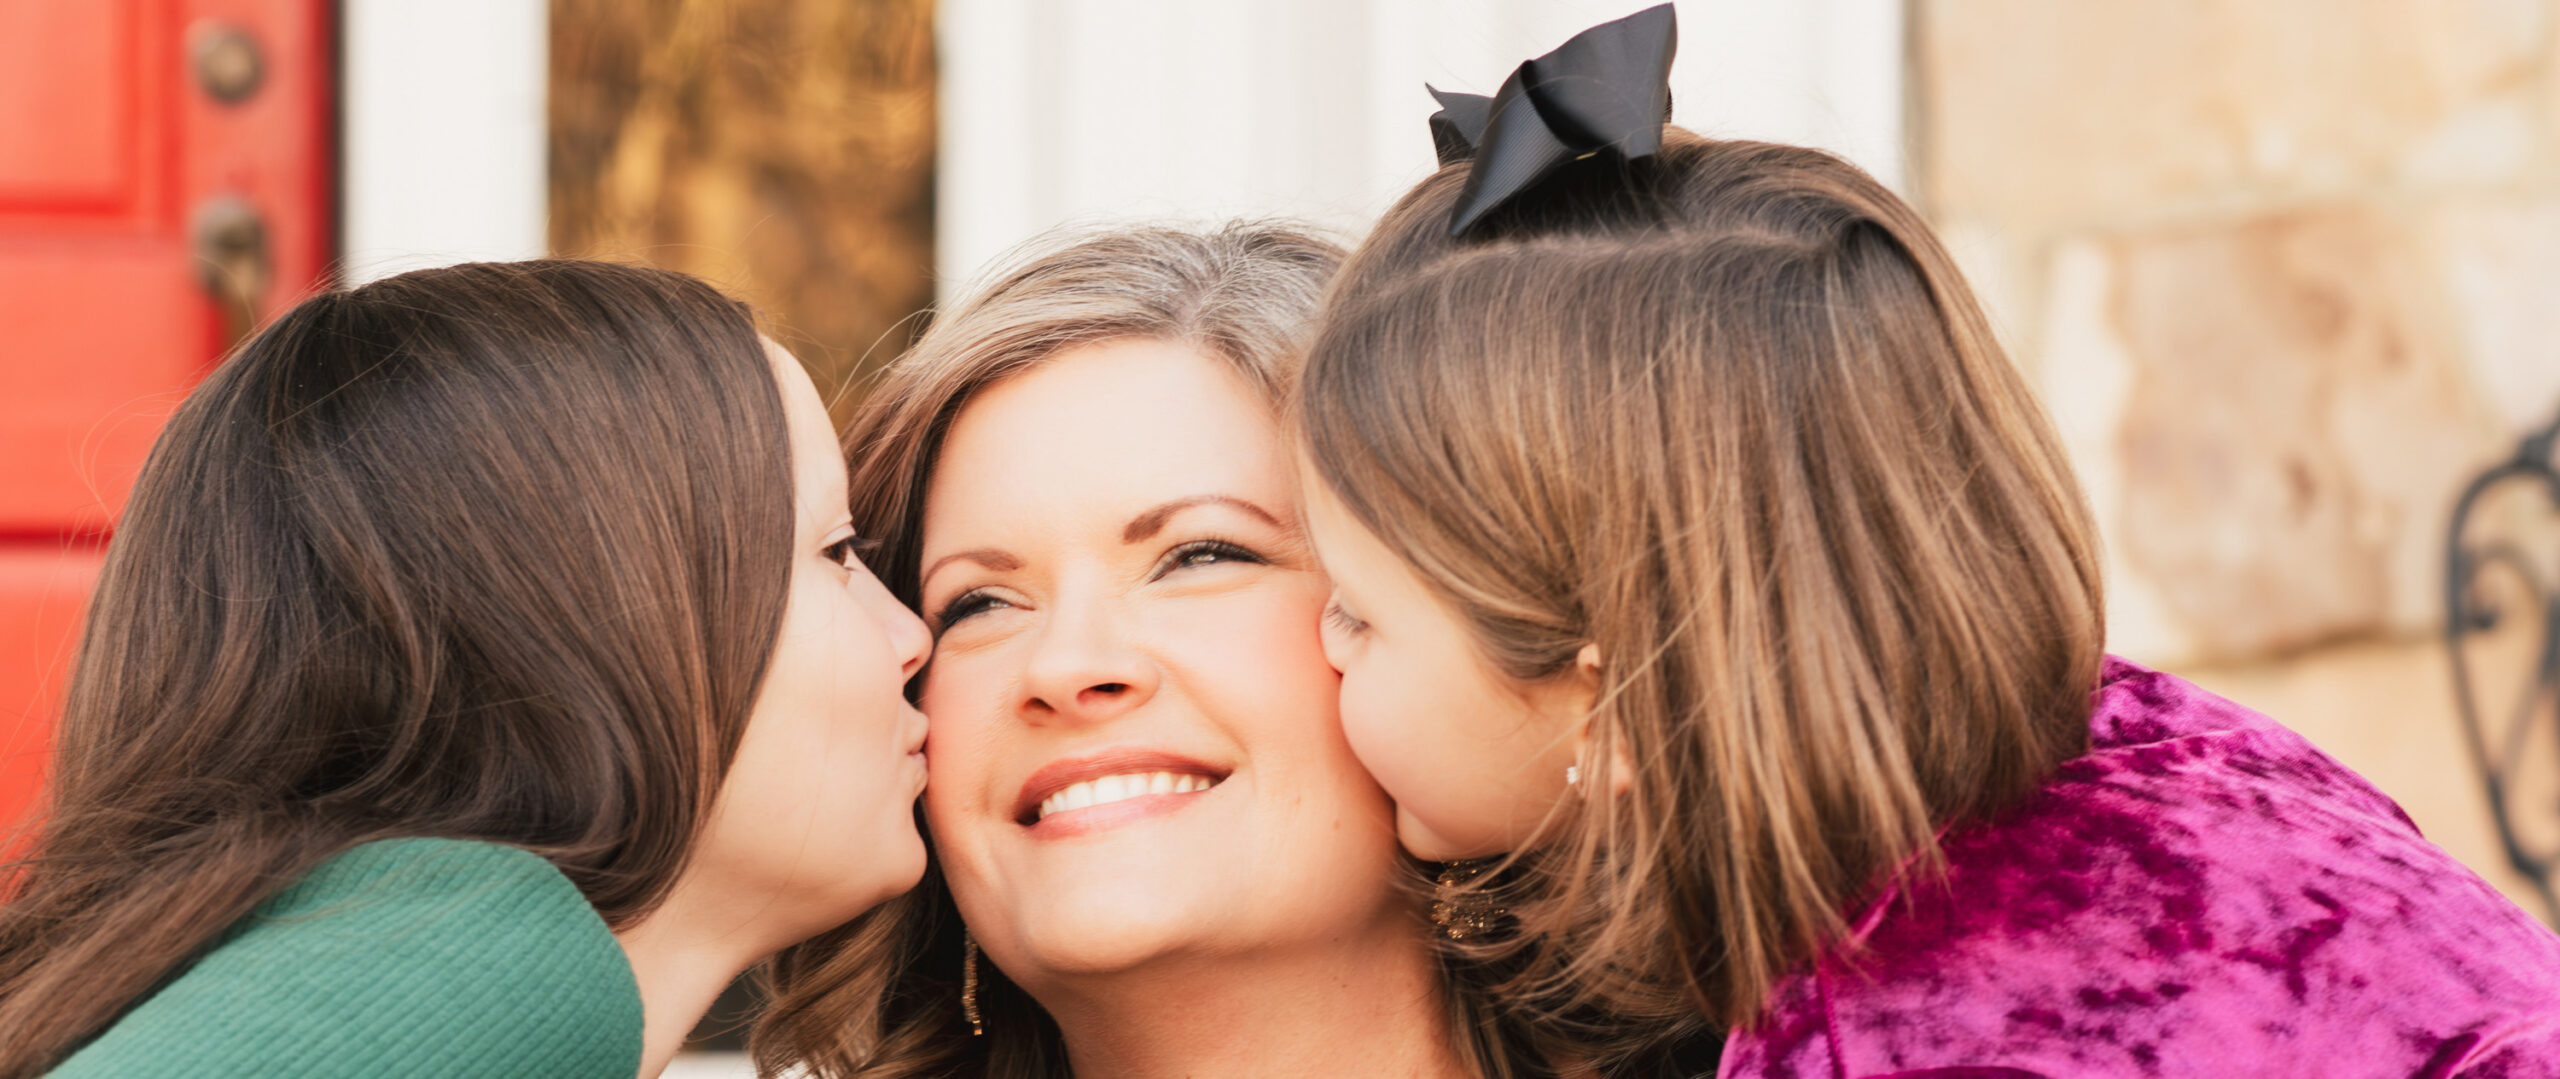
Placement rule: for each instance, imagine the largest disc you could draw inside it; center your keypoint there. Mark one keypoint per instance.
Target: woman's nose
(1084, 669)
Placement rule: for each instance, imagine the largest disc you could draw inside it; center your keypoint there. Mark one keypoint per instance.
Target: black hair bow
(1608, 90)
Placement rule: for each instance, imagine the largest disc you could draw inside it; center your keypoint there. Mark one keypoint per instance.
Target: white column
(444, 132)
(1825, 73)
(1057, 112)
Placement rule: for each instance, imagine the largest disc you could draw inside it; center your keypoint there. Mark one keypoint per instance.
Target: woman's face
(816, 819)
(1135, 750)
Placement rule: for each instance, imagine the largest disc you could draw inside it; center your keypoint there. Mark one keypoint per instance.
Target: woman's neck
(1369, 1005)
(683, 954)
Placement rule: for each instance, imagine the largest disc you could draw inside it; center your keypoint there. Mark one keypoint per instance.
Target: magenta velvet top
(2203, 894)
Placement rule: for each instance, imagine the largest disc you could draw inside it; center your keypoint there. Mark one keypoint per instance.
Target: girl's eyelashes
(1202, 553)
(1341, 618)
(848, 552)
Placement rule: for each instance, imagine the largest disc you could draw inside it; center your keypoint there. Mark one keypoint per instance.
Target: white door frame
(443, 134)
(1063, 111)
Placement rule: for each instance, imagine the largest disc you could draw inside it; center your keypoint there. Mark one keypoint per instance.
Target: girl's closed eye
(848, 552)
(1341, 618)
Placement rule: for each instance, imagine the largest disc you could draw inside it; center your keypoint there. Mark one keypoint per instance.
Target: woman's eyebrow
(989, 557)
(1146, 525)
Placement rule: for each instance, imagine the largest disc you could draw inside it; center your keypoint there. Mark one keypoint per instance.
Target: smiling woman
(1142, 806)
(1154, 626)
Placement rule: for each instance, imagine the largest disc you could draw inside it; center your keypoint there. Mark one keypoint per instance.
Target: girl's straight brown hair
(492, 552)
(1730, 415)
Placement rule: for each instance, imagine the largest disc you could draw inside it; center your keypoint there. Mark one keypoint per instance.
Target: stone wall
(2288, 272)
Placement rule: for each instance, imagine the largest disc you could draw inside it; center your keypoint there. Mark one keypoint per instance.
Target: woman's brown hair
(492, 552)
(1730, 415)
(880, 998)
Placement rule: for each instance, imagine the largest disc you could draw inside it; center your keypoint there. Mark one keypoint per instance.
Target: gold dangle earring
(1461, 913)
(969, 983)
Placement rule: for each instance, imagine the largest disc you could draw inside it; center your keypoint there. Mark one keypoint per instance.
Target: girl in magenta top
(1716, 603)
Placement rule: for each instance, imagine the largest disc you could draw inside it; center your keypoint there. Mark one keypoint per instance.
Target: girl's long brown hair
(1731, 416)
(880, 998)
(493, 552)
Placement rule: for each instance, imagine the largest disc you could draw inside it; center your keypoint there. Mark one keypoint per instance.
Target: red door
(165, 181)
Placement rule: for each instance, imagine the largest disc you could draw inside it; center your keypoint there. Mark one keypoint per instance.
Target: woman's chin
(1117, 929)
(1123, 936)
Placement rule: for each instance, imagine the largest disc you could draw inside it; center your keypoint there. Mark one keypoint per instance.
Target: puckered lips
(922, 733)
(1098, 791)
(922, 728)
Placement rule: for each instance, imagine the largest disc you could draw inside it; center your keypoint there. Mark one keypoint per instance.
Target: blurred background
(2287, 271)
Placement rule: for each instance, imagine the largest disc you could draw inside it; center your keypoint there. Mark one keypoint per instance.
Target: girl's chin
(1432, 845)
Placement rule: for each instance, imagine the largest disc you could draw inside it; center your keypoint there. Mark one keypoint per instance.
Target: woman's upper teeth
(1106, 789)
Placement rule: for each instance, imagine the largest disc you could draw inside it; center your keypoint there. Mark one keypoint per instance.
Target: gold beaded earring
(1462, 913)
(969, 983)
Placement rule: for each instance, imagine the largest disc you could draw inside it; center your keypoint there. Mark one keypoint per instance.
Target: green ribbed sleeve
(407, 957)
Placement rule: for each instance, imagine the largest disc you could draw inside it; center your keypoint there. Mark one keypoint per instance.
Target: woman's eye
(848, 552)
(1205, 552)
(1338, 617)
(962, 606)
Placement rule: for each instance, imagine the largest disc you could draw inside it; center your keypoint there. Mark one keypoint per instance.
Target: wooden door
(166, 180)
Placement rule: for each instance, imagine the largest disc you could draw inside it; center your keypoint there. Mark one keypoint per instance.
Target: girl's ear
(1586, 678)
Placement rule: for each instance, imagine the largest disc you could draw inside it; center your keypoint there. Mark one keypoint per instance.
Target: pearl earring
(1572, 774)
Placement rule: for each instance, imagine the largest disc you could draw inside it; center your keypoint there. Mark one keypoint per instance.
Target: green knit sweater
(407, 957)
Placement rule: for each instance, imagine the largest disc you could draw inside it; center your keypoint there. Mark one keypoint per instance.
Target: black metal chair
(2501, 743)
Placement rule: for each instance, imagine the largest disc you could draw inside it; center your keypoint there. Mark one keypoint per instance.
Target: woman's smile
(1101, 791)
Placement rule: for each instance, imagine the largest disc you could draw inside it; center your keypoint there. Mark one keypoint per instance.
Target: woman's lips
(1081, 794)
(1109, 815)
(1120, 788)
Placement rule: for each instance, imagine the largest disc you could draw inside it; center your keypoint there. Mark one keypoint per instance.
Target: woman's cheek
(958, 723)
(1267, 633)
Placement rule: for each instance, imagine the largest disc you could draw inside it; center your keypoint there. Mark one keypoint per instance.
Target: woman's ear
(1621, 777)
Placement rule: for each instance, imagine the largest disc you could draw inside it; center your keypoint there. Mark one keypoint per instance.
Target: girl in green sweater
(479, 680)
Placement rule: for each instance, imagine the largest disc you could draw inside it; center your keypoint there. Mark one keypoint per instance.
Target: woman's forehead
(1105, 432)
